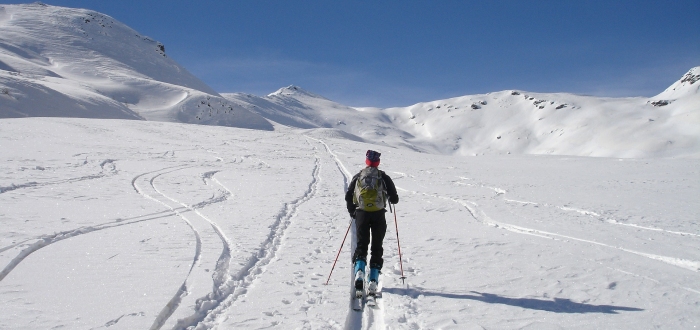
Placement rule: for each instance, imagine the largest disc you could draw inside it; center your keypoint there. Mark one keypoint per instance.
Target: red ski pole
(396, 223)
(341, 249)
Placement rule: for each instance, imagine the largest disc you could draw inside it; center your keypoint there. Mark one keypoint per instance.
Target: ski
(358, 301)
(359, 286)
(373, 289)
(372, 299)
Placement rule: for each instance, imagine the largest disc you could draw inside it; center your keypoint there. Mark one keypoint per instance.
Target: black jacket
(390, 190)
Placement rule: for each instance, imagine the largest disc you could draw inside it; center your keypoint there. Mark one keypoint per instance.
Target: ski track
(115, 321)
(592, 214)
(109, 163)
(242, 282)
(227, 288)
(615, 222)
(370, 318)
(47, 240)
(481, 216)
(225, 292)
(653, 280)
(174, 302)
(341, 167)
(223, 284)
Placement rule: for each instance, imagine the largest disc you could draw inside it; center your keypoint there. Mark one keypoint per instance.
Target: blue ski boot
(360, 275)
(373, 281)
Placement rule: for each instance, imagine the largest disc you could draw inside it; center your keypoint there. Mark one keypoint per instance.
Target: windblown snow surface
(160, 224)
(148, 225)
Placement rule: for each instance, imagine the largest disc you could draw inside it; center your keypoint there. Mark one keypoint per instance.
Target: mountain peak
(688, 85)
(692, 76)
(293, 90)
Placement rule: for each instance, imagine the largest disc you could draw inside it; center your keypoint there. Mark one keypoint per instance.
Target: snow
(138, 224)
(506, 122)
(65, 62)
(579, 211)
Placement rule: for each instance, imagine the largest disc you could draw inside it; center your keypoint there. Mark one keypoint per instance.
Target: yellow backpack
(370, 191)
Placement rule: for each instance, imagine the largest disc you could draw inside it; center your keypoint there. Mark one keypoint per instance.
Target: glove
(352, 214)
(394, 199)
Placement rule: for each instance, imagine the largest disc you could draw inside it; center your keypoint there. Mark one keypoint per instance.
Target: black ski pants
(370, 225)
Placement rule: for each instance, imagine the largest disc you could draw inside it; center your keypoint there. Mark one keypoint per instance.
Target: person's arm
(390, 189)
(349, 197)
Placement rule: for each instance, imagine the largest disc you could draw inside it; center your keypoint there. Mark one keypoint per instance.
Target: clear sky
(396, 53)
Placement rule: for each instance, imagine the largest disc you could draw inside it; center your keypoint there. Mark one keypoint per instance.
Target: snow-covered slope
(295, 107)
(554, 123)
(509, 122)
(150, 225)
(66, 62)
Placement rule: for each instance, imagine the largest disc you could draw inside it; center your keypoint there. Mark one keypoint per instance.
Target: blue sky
(396, 53)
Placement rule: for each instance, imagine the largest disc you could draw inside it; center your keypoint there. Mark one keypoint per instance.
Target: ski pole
(396, 223)
(341, 249)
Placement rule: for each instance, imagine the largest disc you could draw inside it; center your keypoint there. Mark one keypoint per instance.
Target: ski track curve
(223, 284)
(174, 302)
(107, 168)
(501, 192)
(370, 318)
(482, 217)
(615, 222)
(241, 282)
(46, 240)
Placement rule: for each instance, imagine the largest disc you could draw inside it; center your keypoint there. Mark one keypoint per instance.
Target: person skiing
(366, 201)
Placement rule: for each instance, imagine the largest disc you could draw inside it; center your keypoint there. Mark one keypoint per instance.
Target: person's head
(372, 158)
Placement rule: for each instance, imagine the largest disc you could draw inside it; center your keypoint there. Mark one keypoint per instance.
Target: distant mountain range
(62, 62)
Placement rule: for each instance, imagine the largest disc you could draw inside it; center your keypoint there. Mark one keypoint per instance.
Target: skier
(366, 201)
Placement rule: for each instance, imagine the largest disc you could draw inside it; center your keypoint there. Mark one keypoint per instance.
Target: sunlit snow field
(135, 225)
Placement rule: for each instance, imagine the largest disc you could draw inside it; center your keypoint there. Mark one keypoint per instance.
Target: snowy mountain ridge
(65, 62)
(294, 91)
(62, 62)
(507, 122)
(686, 87)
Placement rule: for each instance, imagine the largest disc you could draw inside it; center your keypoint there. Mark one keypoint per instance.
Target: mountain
(685, 89)
(507, 122)
(295, 107)
(64, 62)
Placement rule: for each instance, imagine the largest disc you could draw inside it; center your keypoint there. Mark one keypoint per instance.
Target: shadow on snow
(557, 305)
